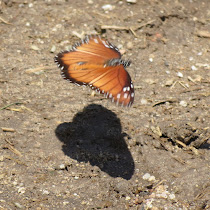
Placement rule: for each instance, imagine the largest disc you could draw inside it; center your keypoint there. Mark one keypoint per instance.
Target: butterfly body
(97, 63)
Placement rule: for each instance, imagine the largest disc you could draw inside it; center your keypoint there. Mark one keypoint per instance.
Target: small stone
(65, 202)
(14, 183)
(18, 205)
(151, 60)
(179, 74)
(144, 101)
(194, 68)
(45, 192)
(90, 1)
(30, 5)
(127, 198)
(107, 7)
(53, 49)
(190, 58)
(62, 166)
(183, 103)
(34, 47)
(129, 45)
(21, 190)
(166, 63)
(199, 53)
(146, 176)
(151, 179)
(169, 82)
(172, 196)
(131, 1)
(28, 24)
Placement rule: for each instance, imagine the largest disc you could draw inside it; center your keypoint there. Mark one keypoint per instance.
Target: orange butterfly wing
(96, 63)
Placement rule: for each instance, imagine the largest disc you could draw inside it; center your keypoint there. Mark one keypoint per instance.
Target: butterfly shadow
(95, 136)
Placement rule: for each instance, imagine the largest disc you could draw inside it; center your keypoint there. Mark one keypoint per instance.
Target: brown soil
(62, 148)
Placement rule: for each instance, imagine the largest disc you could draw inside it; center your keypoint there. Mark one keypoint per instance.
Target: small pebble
(62, 166)
(144, 101)
(183, 103)
(30, 5)
(107, 7)
(127, 198)
(151, 60)
(65, 202)
(129, 45)
(169, 82)
(28, 24)
(90, 1)
(179, 74)
(21, 190)
(190, 58)
(53, 49)
(172, 196)
(166, 63)
(194, 68)
(163, 195)
(151, 179)
(45, 192)
(18, 205)
(131, 1)
(146, 176)
(15, 183)
(168, 72)
(200, 53)
(34, 47)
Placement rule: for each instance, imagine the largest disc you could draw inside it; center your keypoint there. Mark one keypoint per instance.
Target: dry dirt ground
(63, 148)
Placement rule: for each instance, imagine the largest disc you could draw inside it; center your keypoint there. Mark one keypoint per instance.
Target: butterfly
(97, 63)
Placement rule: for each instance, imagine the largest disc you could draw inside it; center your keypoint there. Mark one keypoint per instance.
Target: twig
(12, 148)
(164, 101)
(143, 24)
(181, 83)
(16, 160)
(132, 28)
(181, 143)
(115, 27)
(158, 184)
(133, 32)
(16, 103)
(41, 68)
(8, 129)
(4, 21)
(205, 34)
